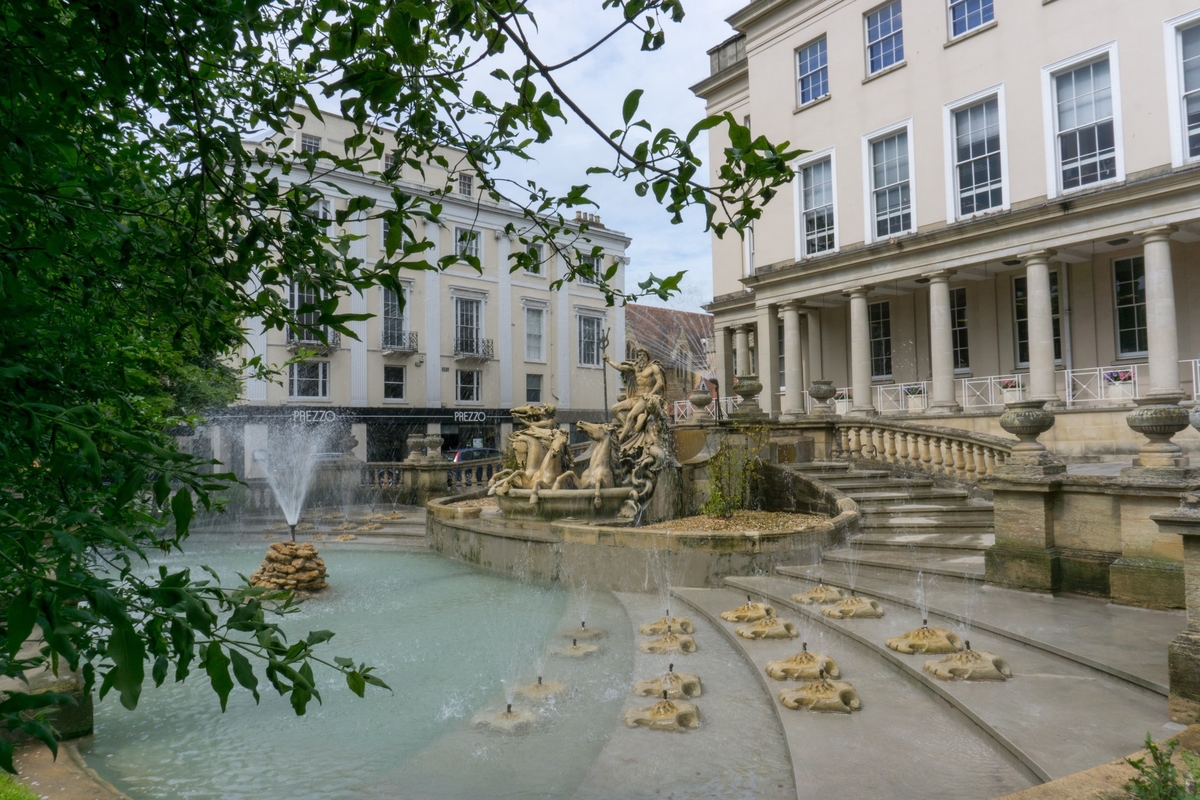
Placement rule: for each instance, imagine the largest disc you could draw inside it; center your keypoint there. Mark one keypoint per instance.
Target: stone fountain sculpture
(661, 626)
(767, 628)
(838, 697)
(624, 458)
(804, 666)
(677, 716)
(819, 594)
(969, 665)
(671, 684)
(854, 607)
(749, 612)
(669, 642)
(925, 639)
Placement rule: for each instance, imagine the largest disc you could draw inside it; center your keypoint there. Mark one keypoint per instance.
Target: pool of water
(445, 637)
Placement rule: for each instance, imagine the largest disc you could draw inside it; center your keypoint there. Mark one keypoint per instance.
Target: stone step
(965, 564)
(1055, 715)
(960, 506)
(830, 467)
(896, 711)
(1128, 643)
(943, 543)
(855, 481)
(882, 496)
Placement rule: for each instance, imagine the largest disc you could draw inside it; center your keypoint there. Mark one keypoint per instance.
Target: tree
(142, 222)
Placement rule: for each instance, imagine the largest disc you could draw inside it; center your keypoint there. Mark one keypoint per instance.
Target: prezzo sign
(317, 415)
(470, 416)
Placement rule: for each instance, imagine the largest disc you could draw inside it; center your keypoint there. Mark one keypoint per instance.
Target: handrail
(958, 453)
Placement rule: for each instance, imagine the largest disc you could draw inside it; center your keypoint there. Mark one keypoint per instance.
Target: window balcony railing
(398, 342)
(308, 339)
(473, 348)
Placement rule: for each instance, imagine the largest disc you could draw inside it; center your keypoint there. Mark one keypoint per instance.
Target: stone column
(860, 353)
(741, 345)
(724, 365)
(941, 346)
(1160, 313)
(1041, 327)
(793, 400)
(1159, 416)
(815, 366)
(767, 345)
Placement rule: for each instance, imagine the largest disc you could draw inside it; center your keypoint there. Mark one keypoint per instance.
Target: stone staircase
(908, 523)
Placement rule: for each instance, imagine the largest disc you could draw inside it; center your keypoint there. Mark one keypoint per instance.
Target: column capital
(938, 276)
(788, 305)
(1158, 233)
(1037, 257)
(859, 291)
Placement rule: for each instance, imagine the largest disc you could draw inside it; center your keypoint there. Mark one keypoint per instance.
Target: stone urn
(700, 398)
(415, 442)
(1159, 418)
(748, 388)
(821, 392)
(433, 448)
(1027, 420)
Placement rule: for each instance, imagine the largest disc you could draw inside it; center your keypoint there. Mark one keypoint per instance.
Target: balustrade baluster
(935, 451)
(969, 457)
(902, 447)
(890, 441)
(877, 443)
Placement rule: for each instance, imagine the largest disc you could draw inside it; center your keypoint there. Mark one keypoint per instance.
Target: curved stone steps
(1127, 643)
(1057, 716)
(941, 542)
(903, 743)
(905, 565)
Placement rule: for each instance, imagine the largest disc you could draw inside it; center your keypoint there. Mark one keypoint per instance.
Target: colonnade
(802, 350)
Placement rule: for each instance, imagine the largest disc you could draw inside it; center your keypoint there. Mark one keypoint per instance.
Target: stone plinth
(293, 567)
(1183, 654)
(1024, 556)
(425, 480)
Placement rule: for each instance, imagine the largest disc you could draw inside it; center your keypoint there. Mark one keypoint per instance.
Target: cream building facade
(462, 348)
(1000, 201)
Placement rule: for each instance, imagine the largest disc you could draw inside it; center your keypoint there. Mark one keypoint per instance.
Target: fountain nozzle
(804, 646)
(582, 625)
(574, 643)
(924, 623)
(664, 694)
(539, 680)
(670, 667)
(508, 709)
(968, 644)
(293, 529)
(748, 600)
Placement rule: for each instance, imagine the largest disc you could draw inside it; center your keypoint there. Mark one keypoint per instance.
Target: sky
(599, 84)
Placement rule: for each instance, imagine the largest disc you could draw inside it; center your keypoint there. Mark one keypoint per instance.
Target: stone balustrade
(959, 454)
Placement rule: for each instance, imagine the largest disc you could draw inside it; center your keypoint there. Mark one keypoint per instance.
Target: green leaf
(356, 683)
(217, 666)
(127, 653)
(21, 616)
(630, 106)
(181, 507)
(244, 672)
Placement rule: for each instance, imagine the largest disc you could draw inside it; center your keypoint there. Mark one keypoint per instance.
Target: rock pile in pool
(293, 566)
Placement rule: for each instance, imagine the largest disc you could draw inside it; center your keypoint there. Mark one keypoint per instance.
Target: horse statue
(541, 451)
(601, 458)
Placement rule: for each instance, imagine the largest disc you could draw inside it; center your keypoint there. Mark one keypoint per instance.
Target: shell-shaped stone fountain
(804, 666)
(853, 607)
(677, 716)
(660, 626)
(669, 642)
(750, 612)
(674, 684)
(509, 721)
(767, 628)
(925, 639)
(818, 594)
(824, 695)
(576, 650)
(583, 633)
(542, 690)
(969, 665)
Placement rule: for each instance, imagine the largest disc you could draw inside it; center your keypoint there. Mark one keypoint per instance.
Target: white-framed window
(887, 156)
(1021, 317)
(394, 384)
(319, 210)
(780, 343)
(389, 162)
(1082, 97)
(977, 157)
(748, 252)
(596, 265)
(468, 324)
(879, 316)
(535, 334)
(885, 37)
(1182, 46)
(394, 318)
(958, 328)
(817, 200)
(591, 334)
(466, 242)
(300, 296)
(1129, 280)
(468, 385)
(812, 72)
(466, 184)
(533, 388)
(535, 259)
(310, 144)
(308, 380)
(967, 15)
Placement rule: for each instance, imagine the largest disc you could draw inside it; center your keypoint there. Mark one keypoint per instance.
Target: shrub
(1160, 780)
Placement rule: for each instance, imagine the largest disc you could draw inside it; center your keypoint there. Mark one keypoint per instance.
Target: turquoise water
(443, 635)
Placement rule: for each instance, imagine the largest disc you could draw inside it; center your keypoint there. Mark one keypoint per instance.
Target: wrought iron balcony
(474, 348)
(309, 340)
(399, 342)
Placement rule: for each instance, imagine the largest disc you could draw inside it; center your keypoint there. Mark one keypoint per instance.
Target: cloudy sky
(599, 83)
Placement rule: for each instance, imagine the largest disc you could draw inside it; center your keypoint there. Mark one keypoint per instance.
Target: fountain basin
(558, 503)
